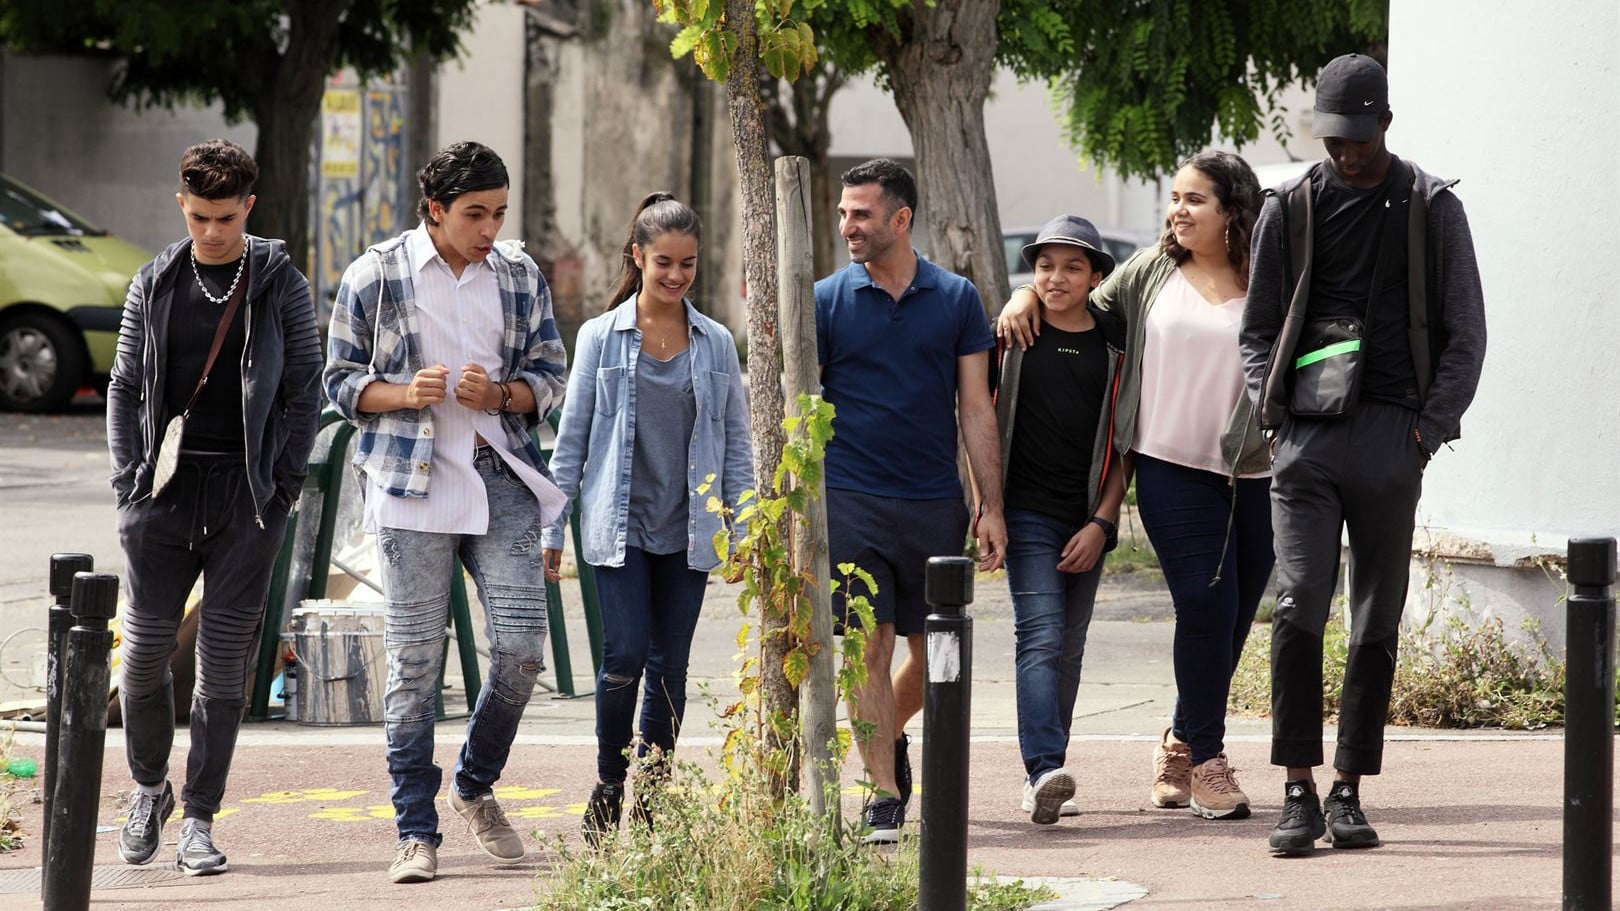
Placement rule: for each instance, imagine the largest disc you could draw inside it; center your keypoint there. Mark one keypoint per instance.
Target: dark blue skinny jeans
(650, 609)
(1215, 582)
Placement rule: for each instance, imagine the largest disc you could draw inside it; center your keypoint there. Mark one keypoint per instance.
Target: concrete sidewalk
(1469, 820)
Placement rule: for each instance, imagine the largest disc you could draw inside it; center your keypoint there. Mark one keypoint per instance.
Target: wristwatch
(1110, 532)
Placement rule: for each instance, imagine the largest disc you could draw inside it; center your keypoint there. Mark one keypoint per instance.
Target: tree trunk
(764, 354)
(802, 375)
(286, 116)
(941, 77)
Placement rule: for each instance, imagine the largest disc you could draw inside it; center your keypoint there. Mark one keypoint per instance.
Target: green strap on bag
(1333, 350)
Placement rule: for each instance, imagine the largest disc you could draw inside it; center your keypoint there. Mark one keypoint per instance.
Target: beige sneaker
(1172, 772)
(415, 862)
(1215, 791)
(488, 822)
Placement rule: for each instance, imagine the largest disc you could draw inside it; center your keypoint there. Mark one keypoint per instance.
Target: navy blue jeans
(650, 609)
(1051, 613)
(1215, 580)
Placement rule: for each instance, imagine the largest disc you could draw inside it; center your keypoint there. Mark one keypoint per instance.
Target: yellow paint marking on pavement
(354, 814)
(224, 813)
(544, 811)
(307, 796)
(517, 792)
(575, 809)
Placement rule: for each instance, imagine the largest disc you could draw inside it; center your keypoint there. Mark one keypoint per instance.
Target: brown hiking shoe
(1215, 791)
(1172, 772)
(484, 817)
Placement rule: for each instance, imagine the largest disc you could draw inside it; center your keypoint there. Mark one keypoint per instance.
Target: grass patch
(727, 846)
(1468, 673)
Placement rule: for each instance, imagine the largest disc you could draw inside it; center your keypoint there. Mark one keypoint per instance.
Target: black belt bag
(1327, 372)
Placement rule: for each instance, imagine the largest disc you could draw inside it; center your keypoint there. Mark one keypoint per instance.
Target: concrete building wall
(112, 164)
(1525, 113)
(480, 96)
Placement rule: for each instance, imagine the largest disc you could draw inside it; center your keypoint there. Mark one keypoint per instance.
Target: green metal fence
(324, 484)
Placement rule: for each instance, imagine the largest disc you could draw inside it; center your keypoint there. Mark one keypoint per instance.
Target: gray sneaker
(143, 830)
(196, 854)
(488, 823)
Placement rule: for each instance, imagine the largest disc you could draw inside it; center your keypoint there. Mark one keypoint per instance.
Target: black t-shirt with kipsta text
(215, 424)
(1061, 389)
(1347, 237)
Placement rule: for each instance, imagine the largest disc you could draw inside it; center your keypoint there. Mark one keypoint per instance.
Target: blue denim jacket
(596, 438)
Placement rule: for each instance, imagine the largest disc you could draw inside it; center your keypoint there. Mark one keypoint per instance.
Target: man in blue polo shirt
(902, 345)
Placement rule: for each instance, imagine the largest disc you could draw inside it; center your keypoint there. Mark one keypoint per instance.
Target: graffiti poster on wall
(341, 125)
(362, 187)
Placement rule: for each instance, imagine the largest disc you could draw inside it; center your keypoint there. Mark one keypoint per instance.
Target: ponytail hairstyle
(658, 214)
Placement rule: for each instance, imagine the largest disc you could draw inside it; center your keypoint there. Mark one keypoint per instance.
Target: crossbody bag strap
(219, 339)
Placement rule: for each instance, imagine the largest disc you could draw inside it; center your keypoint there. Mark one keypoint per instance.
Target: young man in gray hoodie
(1365, 257)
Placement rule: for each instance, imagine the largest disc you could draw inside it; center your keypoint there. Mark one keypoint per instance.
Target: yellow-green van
(62, 285)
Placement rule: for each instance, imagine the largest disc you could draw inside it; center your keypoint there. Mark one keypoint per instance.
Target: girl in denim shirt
(654, 409)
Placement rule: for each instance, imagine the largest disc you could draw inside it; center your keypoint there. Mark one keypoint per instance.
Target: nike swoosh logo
(1366, 104)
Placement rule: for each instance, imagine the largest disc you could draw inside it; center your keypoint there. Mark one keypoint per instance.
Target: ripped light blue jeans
(506, 567)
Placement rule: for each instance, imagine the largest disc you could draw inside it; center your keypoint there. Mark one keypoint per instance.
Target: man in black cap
(1362, 342)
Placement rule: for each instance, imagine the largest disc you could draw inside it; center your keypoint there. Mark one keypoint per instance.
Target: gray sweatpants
(1362, 474)
(204, 523)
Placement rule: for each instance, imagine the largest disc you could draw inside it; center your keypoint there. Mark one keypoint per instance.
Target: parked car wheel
(41, 362)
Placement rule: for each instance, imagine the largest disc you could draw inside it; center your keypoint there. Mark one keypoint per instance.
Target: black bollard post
(72, 845)
(63, 568)
(1589, 726)
(947, 698)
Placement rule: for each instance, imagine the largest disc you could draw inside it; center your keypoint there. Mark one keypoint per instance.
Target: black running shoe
(902, 769)
(883, 821)
(1346, 824)
(143, 830)
(602, 812)
(1301, 823)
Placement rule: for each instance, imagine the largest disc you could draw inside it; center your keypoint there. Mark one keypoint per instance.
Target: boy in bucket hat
(1062, 490)
(1367, 240)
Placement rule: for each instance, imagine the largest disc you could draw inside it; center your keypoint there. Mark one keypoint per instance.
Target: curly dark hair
(1237, 190)
(218, 169)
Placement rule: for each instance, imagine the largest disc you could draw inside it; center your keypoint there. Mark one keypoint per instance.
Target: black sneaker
(1301, 824)
(602, 812)
(883, 821)
(902, 769)
(196, 854)
(143, 830)
(1346, 824)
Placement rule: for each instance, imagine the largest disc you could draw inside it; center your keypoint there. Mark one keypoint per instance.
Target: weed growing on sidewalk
(11, 833)
(1467, 674)
(730, 845)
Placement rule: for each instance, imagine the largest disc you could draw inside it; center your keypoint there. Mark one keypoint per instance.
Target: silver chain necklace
(247, 246)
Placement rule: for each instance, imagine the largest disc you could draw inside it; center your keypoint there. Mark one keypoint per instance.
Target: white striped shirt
(458, 322)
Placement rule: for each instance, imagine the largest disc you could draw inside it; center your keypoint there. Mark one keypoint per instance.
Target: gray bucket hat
(1075, 232)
